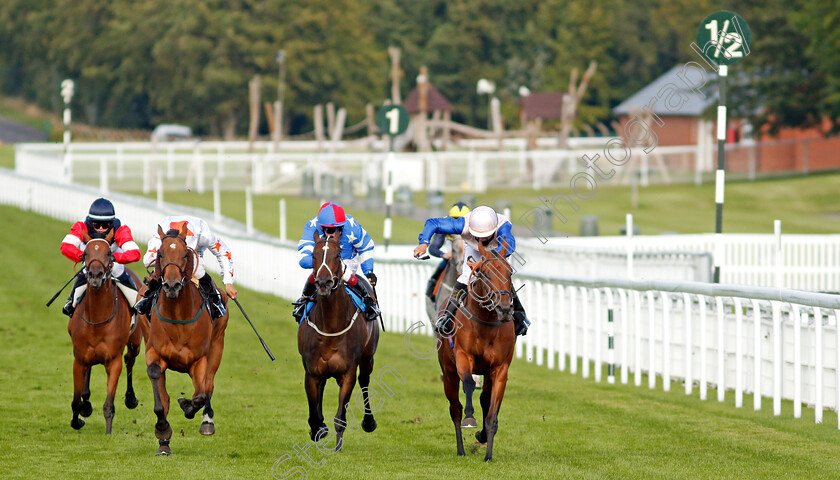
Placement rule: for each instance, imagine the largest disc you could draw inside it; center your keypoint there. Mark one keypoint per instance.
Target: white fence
(137, 165)
(807, 262)
(780, 343)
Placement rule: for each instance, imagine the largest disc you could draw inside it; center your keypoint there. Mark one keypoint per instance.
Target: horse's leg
(156, 370)
(450, 388)
(365, 369)
(87, 408)
(214, 359)
(314, 394)
(469, 410)
(486, 390)
(114, 369)
(198, 373)
(131, 352)
(491, 420)
(79, 373)
(345, 390)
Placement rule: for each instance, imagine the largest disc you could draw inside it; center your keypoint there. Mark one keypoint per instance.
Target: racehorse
(434, 309)
(100, 330)
(182, 336)
(483, 343)
(334, 339)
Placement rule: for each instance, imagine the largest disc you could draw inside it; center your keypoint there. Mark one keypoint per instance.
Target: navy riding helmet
(101, 213)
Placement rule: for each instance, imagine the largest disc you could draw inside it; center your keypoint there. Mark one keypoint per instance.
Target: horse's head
(457, 252)
(98, 258)
(326, 261)
(175, 261)
(492, 286)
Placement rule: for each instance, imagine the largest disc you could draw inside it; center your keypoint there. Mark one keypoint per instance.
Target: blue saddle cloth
(357, 300)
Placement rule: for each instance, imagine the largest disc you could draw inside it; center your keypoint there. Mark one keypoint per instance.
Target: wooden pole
(396, 73)
(254, 93)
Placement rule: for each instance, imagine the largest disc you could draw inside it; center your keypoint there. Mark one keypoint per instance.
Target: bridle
(492, 298)
(336, 279)
(189, 250)
(107, 267)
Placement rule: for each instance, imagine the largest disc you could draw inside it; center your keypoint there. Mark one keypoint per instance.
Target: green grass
(804, 204)
(552, 424)
(298, 211)
(7, 156)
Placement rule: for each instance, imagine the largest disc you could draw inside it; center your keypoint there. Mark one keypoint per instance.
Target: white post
(757, 355)
(777, 252)
(610, 347)
(689, 378)
(217, 200)
(637, 338)
(703, 353)
(777, 359)
(629, 234)
(159, 190)
(506, 213)
(739, 354)
(283, 219)
(666, 341)
(818, 366)
(797, 360)
(721, 350)
(249, 211)
(651, 341)
(67, 90)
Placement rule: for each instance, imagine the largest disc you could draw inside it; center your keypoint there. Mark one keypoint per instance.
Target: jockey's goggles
(102, 224)
(330, 230)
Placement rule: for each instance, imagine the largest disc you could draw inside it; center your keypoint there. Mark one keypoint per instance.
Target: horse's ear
(182, 232)
(160, 232)
(315, 236)
(481, 249)
(189, 266)
(503, 252)
(110, 237)
(86, 236)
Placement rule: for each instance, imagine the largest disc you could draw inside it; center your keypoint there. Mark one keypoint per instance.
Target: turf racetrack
(552, 424)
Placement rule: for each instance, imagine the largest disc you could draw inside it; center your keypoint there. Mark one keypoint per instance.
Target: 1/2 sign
(392, 120)
(724, 37)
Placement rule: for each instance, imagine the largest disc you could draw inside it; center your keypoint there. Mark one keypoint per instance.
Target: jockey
(481, 225)
(200, 238)
(99, 222)
(458, 210)
(356, 252)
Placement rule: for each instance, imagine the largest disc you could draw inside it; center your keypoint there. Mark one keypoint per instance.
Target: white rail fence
(806, 262)
(193, 165)
(780, 343)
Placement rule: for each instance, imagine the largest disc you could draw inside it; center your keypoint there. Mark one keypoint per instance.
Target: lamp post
(67, 90)
(487, 87)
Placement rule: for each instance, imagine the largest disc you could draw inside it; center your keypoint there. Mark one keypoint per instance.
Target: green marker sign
(724, 38)
(392, 120)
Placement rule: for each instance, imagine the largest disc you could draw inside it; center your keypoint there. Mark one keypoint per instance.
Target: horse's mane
(173, 232)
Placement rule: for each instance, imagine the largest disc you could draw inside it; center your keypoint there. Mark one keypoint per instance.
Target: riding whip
(62, 289)
(270, 355)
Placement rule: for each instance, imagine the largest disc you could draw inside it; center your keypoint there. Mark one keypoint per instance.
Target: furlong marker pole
(610, 347)
(719, 177)
(389, 194)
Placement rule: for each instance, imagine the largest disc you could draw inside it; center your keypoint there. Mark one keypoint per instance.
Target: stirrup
(68, 308)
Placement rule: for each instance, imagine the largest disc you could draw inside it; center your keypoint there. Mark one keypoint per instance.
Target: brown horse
(181, 336)
(100, 330)
(334, 340)
(483, 344)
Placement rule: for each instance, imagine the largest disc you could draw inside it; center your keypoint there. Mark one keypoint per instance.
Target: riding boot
(69, 308)
(430, 288)
(305, 297)
(443, 325)
(126, 280)
(212, 296)
(144, 305)
(371, 308)
(520, 321)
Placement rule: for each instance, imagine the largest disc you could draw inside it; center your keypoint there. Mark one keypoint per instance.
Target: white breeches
(351, 266)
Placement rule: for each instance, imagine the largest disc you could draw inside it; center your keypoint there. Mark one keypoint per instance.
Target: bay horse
(483, 343)
(100, 330)
(334, 340)
(434, 310)
(181, 336)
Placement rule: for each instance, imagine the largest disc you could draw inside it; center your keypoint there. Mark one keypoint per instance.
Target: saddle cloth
(360, 304)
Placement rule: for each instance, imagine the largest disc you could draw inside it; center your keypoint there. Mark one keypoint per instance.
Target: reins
(107, 269)
(337, 281)
(183, 282)
(491, 297)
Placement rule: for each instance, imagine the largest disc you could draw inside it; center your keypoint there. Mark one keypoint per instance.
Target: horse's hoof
(164, 450)
(488, 459)
(77, 423)
(322, 432)
(131, 402)
(469, 422)
(186, 406)
(87, 409)
(207, 428)
(369, 426)
(481, 436)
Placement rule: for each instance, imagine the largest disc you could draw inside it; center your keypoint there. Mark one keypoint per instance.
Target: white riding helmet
(483, 222)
